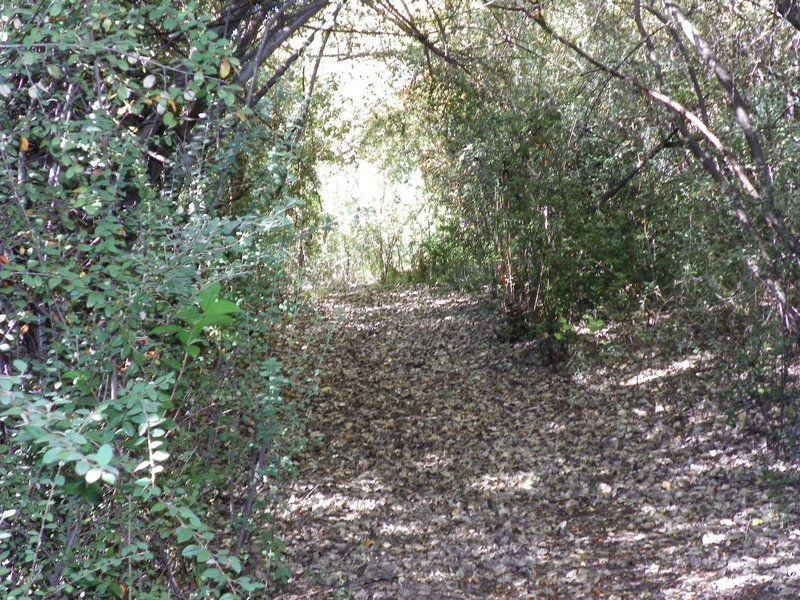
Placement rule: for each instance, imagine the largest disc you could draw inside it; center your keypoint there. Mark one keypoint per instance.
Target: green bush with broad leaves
(145, 378)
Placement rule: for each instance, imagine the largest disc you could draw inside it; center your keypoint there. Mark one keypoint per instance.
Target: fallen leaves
(446, 464)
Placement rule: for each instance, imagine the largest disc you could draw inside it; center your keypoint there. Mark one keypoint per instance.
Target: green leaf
(51, 456)
(222, 307)
(104, 455)
(595, 325)
(282, 574)
(212, 573)
(248, 585)
(235, 564)
(76, 438)
(209, 320)
(172, 364)
(204, 556)
(227, 97)
(93, 475)
(208, 296)
(161, 329)
(183, 535)
(190, 315)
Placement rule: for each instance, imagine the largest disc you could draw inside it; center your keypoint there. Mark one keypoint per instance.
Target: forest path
(445, 463)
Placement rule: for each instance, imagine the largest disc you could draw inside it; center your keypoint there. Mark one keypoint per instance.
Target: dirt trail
(448, 464)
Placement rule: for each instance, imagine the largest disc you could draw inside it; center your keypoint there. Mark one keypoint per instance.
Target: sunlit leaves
(93, 475)
(211, 311)
(52, 455)
(103, 455)
(225, 69)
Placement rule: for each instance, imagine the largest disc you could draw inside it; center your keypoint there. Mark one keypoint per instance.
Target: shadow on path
(447, 464)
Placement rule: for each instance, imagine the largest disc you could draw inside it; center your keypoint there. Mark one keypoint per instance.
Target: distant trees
(600, 153)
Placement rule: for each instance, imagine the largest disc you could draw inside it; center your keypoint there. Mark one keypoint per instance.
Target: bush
(144, 357)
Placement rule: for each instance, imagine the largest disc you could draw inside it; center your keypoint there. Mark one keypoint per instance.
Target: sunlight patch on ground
(793, 570)
(433, 461)
(438, 575)
(403, 306)
(678, 366)
(409, 302)
(409, 529)
(699, 469)
(352, 508)
(627, 537)
(367, 484)
(520, 480)
(730, 584)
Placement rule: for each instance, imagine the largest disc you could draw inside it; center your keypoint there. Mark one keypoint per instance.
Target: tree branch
(668, 142)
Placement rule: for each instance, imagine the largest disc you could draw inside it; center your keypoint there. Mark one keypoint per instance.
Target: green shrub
(144, 375)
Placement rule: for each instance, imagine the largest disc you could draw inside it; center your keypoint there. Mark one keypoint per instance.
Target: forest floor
(445, 463)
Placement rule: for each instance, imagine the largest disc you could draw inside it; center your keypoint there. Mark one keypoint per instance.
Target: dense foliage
(150, 382)
(592, 157)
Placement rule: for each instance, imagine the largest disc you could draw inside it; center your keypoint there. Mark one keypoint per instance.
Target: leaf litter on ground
(446, 463)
